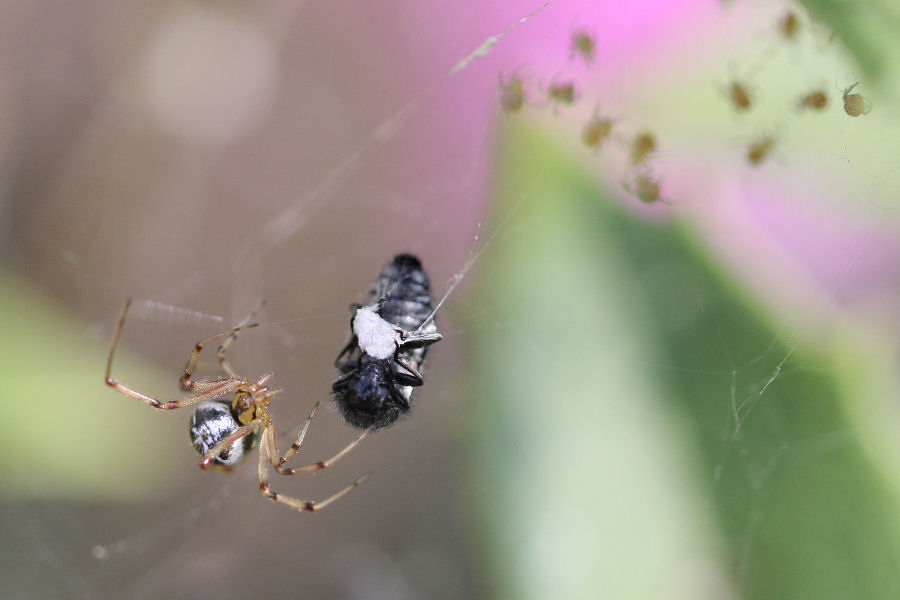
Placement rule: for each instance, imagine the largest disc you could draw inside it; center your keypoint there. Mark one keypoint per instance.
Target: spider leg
(266, 455)
(316, 466)
(220, 353)
(186, 381)
(115, 340)
(208, 459)
(208, 391)
(297, 443)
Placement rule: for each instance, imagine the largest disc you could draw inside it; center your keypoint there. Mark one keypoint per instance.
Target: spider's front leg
(187, 381)
(207, 390)
(223, 347)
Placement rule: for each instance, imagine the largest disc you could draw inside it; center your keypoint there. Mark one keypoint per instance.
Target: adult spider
(225, 432)
(389, 338)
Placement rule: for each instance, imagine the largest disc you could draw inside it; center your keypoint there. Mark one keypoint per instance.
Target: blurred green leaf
(607, 460)
(66, 434)
(870, 29)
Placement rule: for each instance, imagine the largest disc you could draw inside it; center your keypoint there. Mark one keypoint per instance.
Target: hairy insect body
(380, 365)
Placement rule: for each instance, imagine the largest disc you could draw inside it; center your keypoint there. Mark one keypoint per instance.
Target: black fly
(390, 334)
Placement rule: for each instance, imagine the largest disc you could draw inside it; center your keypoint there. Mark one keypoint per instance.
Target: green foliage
(65, 433)
(868, 30)
(606, 456)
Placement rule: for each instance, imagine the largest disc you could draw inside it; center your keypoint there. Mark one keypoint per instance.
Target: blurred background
(667, 372)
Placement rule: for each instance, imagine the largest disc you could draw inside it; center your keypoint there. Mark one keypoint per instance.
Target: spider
(642, 146)
(816, 100)
(596, 130)
(740, 96)
(855, 104)
(389, 338)
(224, 432)
(512, 93)
(584, 45)
(759, 151)
(789, 25)
(644, 187)
(560, 93)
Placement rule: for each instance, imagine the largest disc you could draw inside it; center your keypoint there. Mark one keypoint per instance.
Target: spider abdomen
(211, 423)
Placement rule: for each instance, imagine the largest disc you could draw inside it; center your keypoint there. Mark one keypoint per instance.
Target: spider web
(322, 223)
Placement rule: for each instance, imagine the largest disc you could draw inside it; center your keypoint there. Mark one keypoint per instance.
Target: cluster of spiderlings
(742, 100)
(639, 180)
(513, 96)
(855, 104)
(814, 100)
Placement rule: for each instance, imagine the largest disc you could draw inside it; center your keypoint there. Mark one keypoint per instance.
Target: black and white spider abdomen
(390, 334)
(212, 422)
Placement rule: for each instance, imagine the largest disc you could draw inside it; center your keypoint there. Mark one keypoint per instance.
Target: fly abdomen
(380, 364)
(405, 292)
(406, 296)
